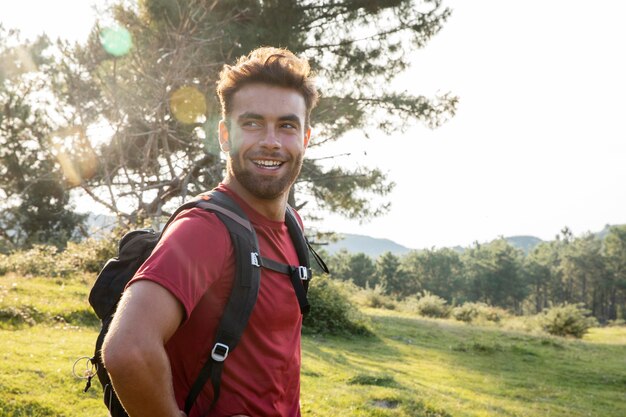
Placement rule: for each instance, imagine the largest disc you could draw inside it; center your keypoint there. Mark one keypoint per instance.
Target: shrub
(376, 298)
(431, 305)
(46, 260)
(567, 320)
(39, 260)
(471, 312)
(332, 312)
(4, 264)
(466, 312)
(89, 255)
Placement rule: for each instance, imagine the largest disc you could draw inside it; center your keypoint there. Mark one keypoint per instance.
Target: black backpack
(137, 245)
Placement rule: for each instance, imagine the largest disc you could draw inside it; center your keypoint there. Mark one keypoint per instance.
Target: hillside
(411, 367)
(374, 247)
(370, 246)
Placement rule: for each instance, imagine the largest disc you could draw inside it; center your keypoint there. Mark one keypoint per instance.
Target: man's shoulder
(195, 222)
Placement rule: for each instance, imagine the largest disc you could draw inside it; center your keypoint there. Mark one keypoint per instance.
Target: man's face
(266, 139)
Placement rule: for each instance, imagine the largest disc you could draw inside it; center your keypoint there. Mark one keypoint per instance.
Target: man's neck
(273, 209)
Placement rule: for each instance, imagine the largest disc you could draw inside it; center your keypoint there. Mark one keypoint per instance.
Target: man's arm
(134, 350)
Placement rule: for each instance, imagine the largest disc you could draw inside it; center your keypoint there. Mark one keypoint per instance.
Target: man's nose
(270, 138)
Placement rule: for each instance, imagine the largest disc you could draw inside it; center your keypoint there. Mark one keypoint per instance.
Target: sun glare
(116, 40)
(188, 105)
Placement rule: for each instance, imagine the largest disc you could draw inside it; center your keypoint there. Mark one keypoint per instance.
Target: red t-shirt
(195, 261)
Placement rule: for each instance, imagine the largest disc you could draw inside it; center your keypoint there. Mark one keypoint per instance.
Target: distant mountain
(370, 246)
(353, 243)
(375, 247)
(525, 243)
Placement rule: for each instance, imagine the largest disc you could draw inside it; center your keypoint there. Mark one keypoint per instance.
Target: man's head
(266, 100)
(267, 65)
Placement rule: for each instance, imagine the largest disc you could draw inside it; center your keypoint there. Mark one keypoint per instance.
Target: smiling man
(163, 329)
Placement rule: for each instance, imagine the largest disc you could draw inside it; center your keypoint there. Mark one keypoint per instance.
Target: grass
(412, 366)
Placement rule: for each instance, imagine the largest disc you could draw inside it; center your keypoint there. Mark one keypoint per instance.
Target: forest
(589, 271)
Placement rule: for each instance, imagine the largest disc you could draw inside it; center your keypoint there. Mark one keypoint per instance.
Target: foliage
(436, 271)
(375, 297)
(358, 268)
(40, 260)
(390, 275)
(429, 305)
(471, 312)
(332, 312)
(164, 144)
(48, 261)
(34, 201)
(567, 320)
(493, 274)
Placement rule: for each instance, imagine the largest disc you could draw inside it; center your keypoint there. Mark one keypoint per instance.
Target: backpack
(137, 245)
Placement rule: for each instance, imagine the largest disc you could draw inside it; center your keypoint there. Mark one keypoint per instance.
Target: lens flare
(75, 155)
(116, 40)
(188, 105)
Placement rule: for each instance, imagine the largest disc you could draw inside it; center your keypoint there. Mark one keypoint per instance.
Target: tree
(35, 205)
(537, 268)
(158, 98)
(389, 275)
(339, 265)
(437, 272)
(493, 274)
(585, 275)
(363, 270)
(615, 255)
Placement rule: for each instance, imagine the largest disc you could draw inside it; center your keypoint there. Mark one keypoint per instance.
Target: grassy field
(411, 367)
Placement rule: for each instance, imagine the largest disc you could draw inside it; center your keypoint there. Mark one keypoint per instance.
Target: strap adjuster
(254, 259)
(219, 352)
(303, 273)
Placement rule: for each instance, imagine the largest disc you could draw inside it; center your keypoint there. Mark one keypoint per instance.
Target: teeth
(266, 163)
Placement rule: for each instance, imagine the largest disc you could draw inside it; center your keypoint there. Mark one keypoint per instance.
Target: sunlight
(188, 105)
(75, 155)
(116, 40)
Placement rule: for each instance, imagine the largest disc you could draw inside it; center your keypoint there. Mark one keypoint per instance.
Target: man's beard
(264, 187)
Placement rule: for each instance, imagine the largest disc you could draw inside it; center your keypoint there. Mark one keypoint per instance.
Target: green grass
(411, 367)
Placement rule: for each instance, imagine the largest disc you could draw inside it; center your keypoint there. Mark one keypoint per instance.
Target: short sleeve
(189, 258)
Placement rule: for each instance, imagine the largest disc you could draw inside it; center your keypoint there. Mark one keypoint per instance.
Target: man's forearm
(144, 386)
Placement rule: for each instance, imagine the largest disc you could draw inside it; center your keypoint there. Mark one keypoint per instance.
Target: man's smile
(267, 163)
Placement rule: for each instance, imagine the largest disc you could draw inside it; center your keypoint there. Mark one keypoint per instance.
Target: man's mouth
(267, 163)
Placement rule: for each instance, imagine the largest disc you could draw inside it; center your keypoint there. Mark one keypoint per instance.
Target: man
(163, 329)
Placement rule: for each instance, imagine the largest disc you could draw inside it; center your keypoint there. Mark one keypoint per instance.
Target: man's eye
(251, 123)
(289, 126)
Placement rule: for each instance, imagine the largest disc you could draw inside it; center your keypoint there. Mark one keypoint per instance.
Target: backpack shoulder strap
(243, 295)
(303, 247)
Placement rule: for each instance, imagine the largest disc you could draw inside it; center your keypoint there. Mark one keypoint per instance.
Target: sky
(539, 139)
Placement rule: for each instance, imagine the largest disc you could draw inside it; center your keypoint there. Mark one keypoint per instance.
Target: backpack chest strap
(297, 275)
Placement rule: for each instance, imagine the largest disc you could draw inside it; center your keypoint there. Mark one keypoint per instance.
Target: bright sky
(539, 140)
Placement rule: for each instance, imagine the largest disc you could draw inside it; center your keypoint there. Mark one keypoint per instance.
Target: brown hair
(268, 65)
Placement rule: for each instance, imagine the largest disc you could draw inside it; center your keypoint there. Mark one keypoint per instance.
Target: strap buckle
(254, 259)
(303, 273)
(219, 352)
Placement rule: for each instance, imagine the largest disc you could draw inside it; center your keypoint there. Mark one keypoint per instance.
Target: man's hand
(134, 350)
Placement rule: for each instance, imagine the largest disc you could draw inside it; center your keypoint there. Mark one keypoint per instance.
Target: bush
(471, 312)
(431, 305)
(332, 312)
(376, 298)
(89, 255)
(46, 260)
(40, 260)
(567, 320)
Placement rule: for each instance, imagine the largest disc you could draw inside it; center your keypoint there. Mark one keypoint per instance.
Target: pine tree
(158, 98)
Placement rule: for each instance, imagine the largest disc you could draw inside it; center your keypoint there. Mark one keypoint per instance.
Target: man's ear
(307, 137)
(223, 136)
